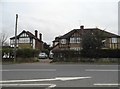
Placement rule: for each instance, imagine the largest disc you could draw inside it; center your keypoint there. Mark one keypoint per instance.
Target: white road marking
(103, 70)
(71, 78)
(14, 70)
(27, 85)
(52, 79)
(106, 84)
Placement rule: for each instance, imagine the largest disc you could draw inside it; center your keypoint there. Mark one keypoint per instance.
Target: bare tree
(3, 39)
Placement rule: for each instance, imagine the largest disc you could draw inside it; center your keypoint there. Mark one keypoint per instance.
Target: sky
(54, 18)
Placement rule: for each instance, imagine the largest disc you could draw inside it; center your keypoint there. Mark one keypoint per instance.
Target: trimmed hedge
(27, 53)
(66, 55)
(85, 55)
(7, 50)
(23, 55)
(101, 53)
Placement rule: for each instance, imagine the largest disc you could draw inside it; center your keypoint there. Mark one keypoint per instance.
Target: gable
(23, 35)
(77, 33)
(26, 34)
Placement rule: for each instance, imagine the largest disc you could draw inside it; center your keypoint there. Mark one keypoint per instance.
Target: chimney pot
(40, 37)
(36, 32)
(82, 27)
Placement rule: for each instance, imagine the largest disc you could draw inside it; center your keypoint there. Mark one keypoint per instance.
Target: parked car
(43, 56)
(51, 55)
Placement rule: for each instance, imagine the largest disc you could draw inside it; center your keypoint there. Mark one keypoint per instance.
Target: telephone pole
(15, 38)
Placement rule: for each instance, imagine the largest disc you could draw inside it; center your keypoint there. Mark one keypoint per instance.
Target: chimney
(81, 27)
(36, 32)
(40, 37)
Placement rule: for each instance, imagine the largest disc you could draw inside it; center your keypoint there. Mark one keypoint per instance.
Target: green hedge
(85, 55)
(7, 50)
(102, 53)
(27, 53)
(23, 55)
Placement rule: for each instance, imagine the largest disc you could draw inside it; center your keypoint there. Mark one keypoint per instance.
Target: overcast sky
(56, 17)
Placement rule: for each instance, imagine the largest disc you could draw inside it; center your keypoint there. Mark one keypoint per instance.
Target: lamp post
(15, 38)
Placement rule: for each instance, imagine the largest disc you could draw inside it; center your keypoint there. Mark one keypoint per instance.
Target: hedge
(23, 55)
(27, 53)
(101, 53)
(74, 56)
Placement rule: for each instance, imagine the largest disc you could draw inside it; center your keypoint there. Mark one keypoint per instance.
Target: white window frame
(75, 40)
(114, 40)
(78, 39)
(63, 41)
(72, 40)
(24, 40)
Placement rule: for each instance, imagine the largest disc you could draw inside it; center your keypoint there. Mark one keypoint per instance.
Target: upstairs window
(75, 40)
(24, 40)
(72, 40)
(63, 41)
(24, 35)
(78, 39)
(114, 40)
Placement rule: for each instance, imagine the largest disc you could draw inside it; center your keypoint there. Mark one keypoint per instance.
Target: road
(59, 75)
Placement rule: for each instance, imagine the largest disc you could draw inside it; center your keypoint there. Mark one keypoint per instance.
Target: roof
(107, 34)
(67, 35)
(57, 39)
(29, 34)
(54, 46)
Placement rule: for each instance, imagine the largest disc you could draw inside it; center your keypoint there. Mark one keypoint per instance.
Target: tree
(46, 48)
(3, 39)
(91, 43)
(92, 40)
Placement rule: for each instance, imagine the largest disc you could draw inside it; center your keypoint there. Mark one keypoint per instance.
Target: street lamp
(15, 38)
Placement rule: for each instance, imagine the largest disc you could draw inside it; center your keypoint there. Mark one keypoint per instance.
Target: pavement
(47, 76)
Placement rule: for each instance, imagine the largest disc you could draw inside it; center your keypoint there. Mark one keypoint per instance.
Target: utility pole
(15, 38)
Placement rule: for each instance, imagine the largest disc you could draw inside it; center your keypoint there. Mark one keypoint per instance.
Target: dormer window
(63, 41)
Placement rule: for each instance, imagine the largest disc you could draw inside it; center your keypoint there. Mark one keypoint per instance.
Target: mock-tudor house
(27, 40)
(73, 39)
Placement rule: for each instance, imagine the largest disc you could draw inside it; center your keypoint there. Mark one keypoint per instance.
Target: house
(27, 40)
(73, 39)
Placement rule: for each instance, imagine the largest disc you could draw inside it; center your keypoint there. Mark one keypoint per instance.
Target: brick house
(73, 39)
(27, 40)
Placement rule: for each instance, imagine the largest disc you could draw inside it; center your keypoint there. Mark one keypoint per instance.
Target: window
(75, 48)
(72, 40)
(24, 35)
(75, 40)
(12, 45)
(24, 40)
(21, 35)
(12, 41)
(114, 40)
(63, 41)
(78, 40)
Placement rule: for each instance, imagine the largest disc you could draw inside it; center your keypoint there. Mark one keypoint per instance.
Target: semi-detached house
(73, 39)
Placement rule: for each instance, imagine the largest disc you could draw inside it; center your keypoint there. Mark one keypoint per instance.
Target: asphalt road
(59, 75)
